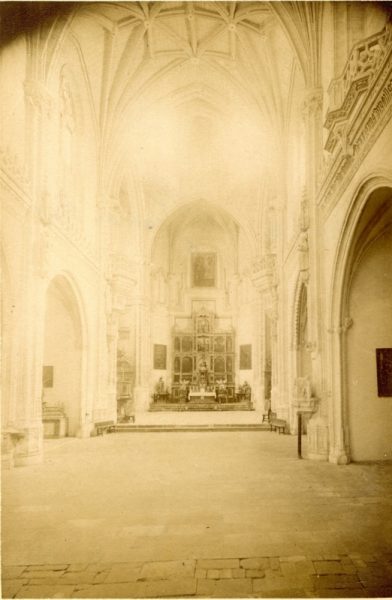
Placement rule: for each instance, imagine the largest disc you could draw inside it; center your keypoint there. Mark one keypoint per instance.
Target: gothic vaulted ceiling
(194, 99)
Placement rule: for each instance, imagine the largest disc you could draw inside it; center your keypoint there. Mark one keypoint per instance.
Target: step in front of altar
(134, 428)
(200, 405)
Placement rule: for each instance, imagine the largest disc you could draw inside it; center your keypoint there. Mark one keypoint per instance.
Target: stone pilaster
(311, 269)
(339, 443)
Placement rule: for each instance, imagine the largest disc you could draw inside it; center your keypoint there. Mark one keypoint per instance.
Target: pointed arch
(371, 202)
(65, 352)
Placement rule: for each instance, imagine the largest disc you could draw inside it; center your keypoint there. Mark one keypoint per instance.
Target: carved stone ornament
(313, 102)
(66, 104)
(303, 251)
(39, 97)
(366, 80)
(304, 211)
(264, 275)
(304, 400)
(343, 328)
(10, 163)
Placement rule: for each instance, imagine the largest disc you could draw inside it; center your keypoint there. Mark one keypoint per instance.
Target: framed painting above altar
(245, 357)
(204, 269)
(159, 357)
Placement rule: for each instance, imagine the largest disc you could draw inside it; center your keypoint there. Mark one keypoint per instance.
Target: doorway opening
(62, 362)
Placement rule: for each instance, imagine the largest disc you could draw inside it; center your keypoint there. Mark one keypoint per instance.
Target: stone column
(265, 281)
(26, 412)
(112, 342)
(311, 226)
(142, 337)
(258, 357)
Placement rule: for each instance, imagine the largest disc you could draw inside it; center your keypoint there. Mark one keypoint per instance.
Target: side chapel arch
(370, 209)
(64, 355)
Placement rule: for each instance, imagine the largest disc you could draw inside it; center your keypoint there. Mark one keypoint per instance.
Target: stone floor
(216, 514)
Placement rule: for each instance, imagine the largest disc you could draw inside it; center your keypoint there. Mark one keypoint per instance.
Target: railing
(364, 61)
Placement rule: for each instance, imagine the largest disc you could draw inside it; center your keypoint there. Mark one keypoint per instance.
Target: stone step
(130, 427)
(200, 406)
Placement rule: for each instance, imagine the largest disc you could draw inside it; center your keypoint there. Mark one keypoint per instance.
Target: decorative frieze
(366, 83)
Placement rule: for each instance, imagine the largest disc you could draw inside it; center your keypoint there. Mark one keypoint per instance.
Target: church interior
(196, 220)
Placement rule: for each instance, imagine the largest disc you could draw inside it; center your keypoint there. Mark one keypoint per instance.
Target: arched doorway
(62, 361)
(368, 310)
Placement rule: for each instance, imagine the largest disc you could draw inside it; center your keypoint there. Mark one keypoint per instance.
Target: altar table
(202, 396)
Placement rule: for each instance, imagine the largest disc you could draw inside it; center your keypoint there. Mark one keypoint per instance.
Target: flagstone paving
(214, 514)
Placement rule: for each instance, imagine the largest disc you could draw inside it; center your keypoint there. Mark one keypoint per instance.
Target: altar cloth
(202, 396)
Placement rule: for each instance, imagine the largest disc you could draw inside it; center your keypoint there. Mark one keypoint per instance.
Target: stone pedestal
(318, 438)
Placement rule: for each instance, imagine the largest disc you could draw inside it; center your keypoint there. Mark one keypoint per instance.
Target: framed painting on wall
(47, 376)
(204, 269)
(245, 357)
(160, 357)
(384, 372)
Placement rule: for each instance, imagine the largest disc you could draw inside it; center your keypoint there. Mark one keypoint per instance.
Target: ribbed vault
(197, 98)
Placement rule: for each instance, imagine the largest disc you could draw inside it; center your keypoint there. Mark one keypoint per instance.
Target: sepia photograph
(196, 299)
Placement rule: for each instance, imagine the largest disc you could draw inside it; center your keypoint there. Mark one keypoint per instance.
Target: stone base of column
(142, 399)
(338, 456)
(258, 398)
(28, 448)
(85, 430)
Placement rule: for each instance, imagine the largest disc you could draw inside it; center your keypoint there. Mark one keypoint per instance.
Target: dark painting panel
(204, 269)
(245, 357)
(47, 376)
(159, 357)
(384, 371)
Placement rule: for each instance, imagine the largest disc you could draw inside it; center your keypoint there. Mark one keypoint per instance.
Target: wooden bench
(103, 427)
(278, 425)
